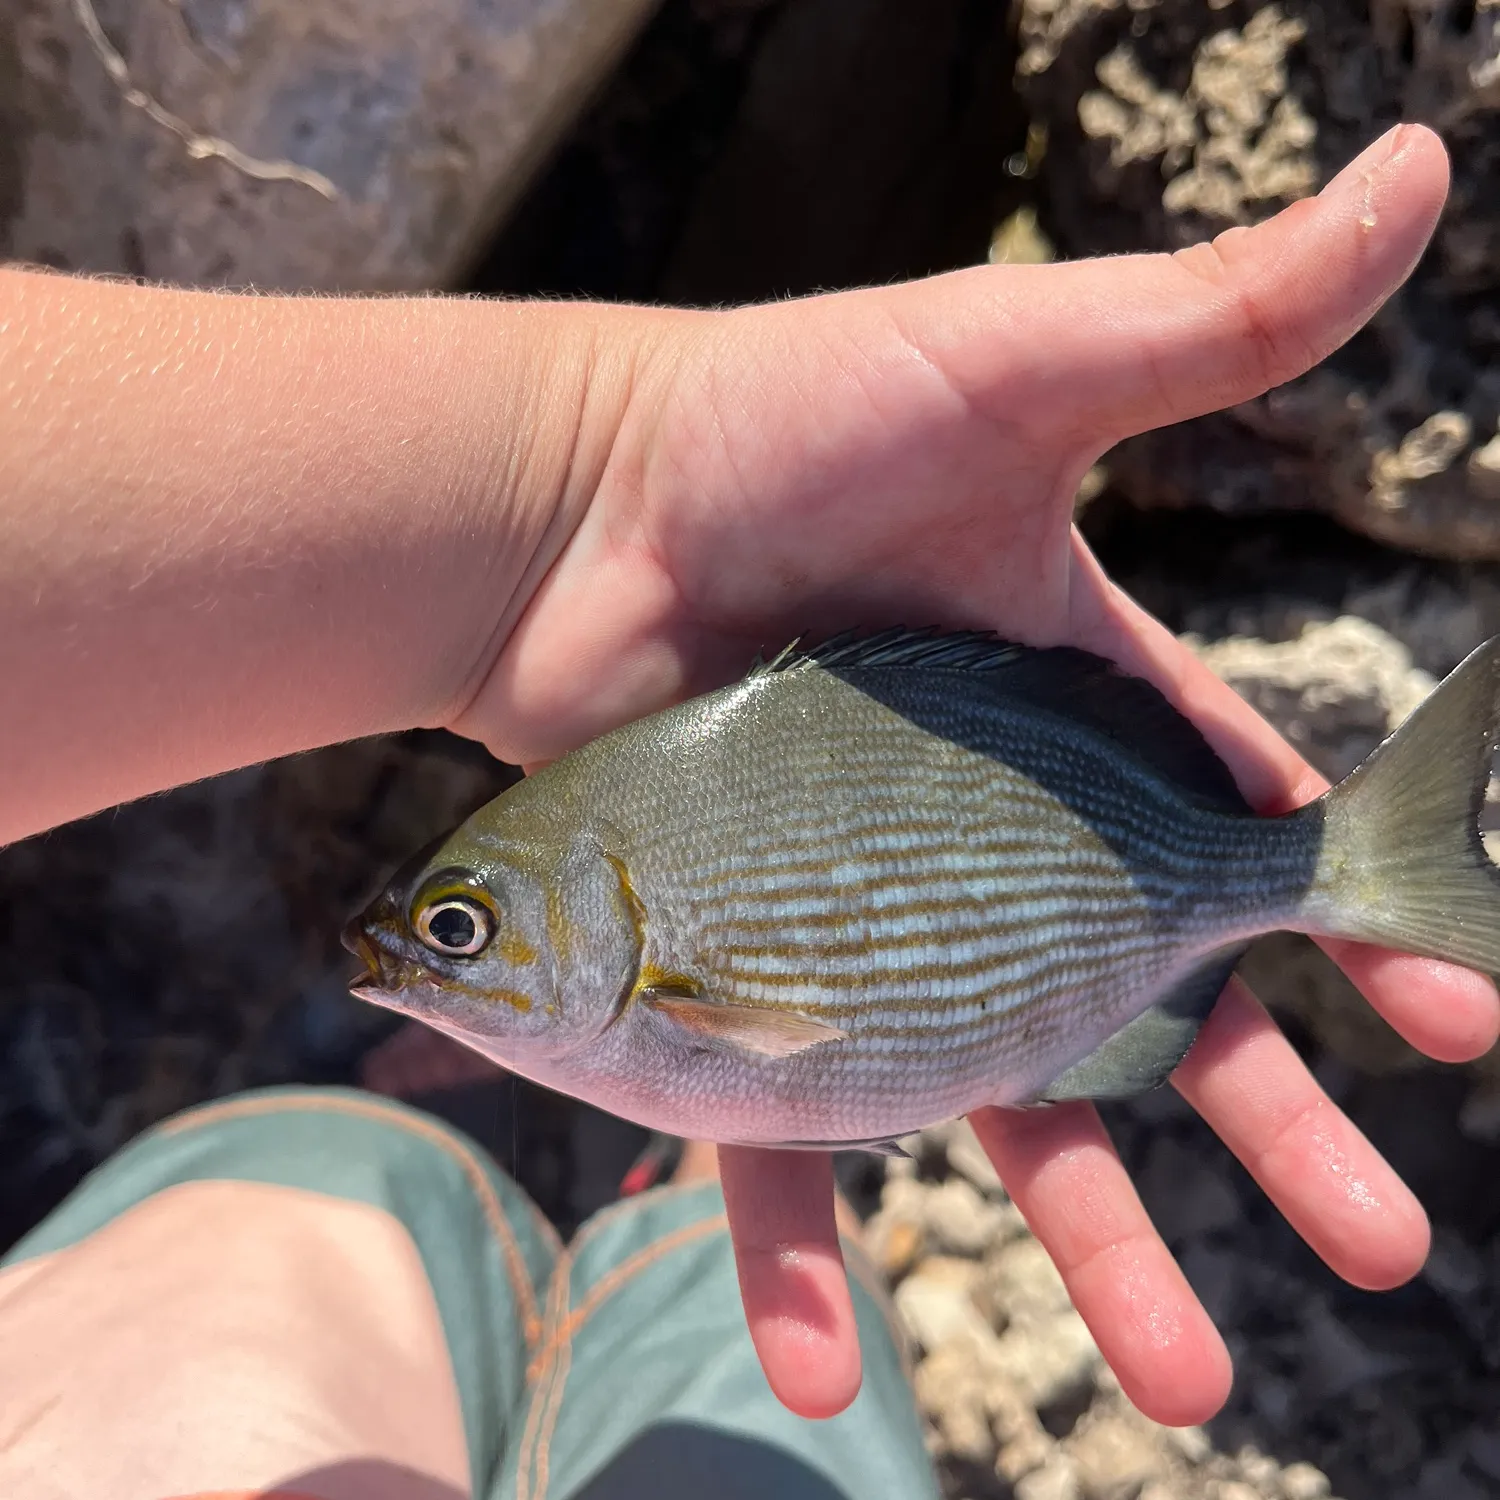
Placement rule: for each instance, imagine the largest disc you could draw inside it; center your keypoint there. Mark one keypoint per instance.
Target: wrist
(240, 527)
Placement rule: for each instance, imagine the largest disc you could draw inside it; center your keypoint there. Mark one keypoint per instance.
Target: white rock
(1259, 1470)
(904, 1196)
(967, 1157)
(1115, 1457)
(960, 1222)
(1024, 1453)
(949, 1387)
(1234, 1489)
(1020, 1284)
(935, 1304)
(1335, 691)
(1048, 1360)
(1192, 1443)
(1304, 1482)
(1057, 1480)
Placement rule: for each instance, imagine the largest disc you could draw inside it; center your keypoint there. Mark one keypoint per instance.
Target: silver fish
(875, 885)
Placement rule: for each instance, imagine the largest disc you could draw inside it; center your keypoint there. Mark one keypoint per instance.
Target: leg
(314, 1290)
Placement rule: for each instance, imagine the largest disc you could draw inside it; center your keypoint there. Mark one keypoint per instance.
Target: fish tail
(1402, 861)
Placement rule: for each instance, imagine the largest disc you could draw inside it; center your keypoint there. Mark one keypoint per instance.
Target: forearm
(236, 527)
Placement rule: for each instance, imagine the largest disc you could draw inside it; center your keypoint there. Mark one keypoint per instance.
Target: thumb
(1106, 348)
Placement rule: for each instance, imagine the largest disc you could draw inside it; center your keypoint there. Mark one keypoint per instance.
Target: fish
(884, 881)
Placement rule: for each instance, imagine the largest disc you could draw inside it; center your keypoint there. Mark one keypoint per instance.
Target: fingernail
(1358, 175)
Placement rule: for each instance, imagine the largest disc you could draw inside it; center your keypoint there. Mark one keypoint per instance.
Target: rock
(1484, 1451)
(949, 1386)
(959, 1222)
(1302, 1481)
(1259, 1470)
(1214, 1274)
(1443, 1478)
(1168, 122)
(1184, 1196)
(969, 1159)
(1484, 469)
(893, 1244)
(935, 1305)
(1058, 1480)
(894, 1235)
(1052, 1361)
(862, 151)
(1193, 1443)
(1274, 1398)
(1335, 691)
(1479, 1118)
(357, 145)
(1020, 1284)
(1011, 1413)
(1453, 1267)
(1115, 1457)
(1029, 1450)
(1338, 1361)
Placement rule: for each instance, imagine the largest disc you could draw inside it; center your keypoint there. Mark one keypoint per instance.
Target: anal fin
(1142, 1055)
(876, 1146)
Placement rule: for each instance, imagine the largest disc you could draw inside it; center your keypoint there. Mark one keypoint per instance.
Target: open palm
(909, 455)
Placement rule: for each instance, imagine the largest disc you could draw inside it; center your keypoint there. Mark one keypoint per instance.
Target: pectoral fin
(1143, 1055)
(771, 1033)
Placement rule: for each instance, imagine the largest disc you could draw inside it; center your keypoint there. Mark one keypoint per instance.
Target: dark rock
(1168, 121)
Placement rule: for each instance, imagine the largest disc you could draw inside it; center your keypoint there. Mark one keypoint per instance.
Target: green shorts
(618, 1367)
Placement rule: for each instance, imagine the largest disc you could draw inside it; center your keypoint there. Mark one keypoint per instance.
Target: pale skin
(235, 528)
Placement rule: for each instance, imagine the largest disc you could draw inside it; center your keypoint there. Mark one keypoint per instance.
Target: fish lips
(386, 974)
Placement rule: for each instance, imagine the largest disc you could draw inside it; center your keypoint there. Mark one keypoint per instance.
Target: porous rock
(935, 1303)
(1115, 1457)
(1168, 121)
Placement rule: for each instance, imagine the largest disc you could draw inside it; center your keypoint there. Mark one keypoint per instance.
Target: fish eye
(455, 927)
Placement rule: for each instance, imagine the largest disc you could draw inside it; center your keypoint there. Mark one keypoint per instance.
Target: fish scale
(880, 883)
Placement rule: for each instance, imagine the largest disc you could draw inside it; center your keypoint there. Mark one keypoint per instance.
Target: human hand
(909, 455)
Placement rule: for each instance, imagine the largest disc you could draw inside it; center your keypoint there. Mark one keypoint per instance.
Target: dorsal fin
(951, 650)
(1090, 690)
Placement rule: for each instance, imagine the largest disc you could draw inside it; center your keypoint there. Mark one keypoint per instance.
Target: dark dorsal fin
(1064, 680)
(950, 650)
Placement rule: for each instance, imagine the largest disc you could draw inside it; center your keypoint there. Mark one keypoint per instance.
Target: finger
(1314, 1164)
(1446, 1012)
(1064, 1175)
(792, 1277)
(1168, 337)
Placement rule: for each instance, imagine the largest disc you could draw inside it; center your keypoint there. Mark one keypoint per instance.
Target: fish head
(517, 940)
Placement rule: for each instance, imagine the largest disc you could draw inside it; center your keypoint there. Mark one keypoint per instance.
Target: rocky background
(1331, 549)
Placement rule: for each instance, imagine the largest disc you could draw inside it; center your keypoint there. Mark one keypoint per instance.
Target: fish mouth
(385, 974)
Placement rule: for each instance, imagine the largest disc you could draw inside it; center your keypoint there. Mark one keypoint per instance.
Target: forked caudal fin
(1402, 862)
